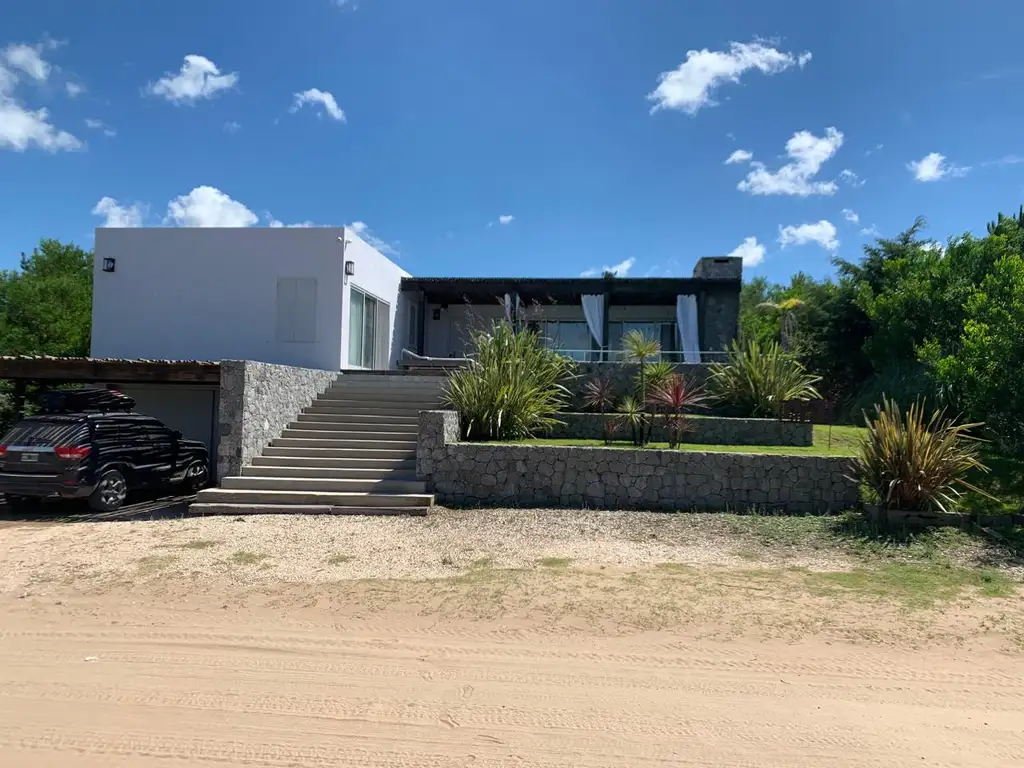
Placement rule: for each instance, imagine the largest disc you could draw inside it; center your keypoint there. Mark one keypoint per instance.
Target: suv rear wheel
(196, 477)
(110, 493)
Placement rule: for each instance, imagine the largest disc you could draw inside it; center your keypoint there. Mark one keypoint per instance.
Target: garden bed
(705, 430)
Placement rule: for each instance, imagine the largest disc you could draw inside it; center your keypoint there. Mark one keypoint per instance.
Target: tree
(46, 306)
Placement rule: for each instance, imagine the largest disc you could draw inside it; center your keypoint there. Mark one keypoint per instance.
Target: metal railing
(619, 356)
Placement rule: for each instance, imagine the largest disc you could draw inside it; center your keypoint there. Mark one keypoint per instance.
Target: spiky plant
(916, 460)
(630, 413)
(640, 348)
(599, 394)
(511, 387)
(673, 398)
(756, 379)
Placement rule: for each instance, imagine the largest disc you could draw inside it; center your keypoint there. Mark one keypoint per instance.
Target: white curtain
(593, 311)
(508, 307)
(686, 320)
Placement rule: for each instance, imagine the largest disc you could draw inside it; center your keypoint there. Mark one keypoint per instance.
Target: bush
(758, 378)
(673, 398)
(511, 387)
(916, 463)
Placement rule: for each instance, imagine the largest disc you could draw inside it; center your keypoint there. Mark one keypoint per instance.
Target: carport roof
(109, 370)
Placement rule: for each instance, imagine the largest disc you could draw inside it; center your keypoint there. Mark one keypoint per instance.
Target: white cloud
(933, 167)
(28, 59)
(823, 233)
(506, 219)
(1006, 160)
(316, 96)
(74, 89)
(21, 128)
(807, 154)
(851, 178)
(871, 231)
(232, 127)
(199, 78)
(751, 251)
(99, 125)
(209, 207)
(850, 216)
(7, 80)
(690, 86)
(367, 235)
(739, 156)
(275, 224)
(876, 148)
(620, 270)
(116, 215)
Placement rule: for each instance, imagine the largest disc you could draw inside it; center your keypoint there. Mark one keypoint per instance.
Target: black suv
(75, 452)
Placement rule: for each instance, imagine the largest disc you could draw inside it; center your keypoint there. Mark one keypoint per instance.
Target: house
(323, 300)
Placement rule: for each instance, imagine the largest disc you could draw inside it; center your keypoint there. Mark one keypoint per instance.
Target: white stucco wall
(381, 278)
(211, 294)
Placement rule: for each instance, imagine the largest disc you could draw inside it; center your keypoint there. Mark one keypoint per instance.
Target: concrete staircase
(353, 451)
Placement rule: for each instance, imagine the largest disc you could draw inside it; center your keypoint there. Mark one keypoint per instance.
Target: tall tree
(46, 306)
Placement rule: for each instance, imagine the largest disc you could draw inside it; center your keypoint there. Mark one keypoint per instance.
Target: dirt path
(116, 680)
(150, 644)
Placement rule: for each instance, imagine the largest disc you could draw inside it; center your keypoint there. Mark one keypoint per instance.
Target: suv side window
(106, 433)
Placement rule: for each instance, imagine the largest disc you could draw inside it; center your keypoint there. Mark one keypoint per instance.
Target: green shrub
(758, 378)
(914, 462)
(511, 387)
(673, 398)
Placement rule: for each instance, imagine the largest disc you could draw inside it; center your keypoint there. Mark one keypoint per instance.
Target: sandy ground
(638, 641)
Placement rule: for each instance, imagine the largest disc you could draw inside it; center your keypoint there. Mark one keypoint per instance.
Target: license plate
(30, 457)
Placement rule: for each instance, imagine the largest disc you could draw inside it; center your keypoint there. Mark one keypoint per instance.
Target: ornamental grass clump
(511, 387)
(915, 461)
(758, 378)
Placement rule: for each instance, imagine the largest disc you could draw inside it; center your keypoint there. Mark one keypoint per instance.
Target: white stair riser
(320, 484)
(236, 496)
(356, 461)
(325, 442)
(283, 451)
(348, 434)
(371, 420)
(301, 509)
(354, 426)
(331, 473)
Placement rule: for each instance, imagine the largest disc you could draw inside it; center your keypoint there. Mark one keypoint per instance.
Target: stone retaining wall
(706, 430)
(257, 401)
(488, 474)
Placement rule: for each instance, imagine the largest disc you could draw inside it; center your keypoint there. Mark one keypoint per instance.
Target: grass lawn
(845, 441)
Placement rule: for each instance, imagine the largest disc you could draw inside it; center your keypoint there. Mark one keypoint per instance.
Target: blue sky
(527, 138)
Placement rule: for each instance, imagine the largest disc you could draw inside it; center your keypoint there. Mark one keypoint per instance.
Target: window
(296, 310)
(571, 338)
(412, 339)
(662, 332)
(367, 330)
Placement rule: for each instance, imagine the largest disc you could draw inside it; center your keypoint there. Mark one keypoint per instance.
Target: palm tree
(639, 348)
(787, 309)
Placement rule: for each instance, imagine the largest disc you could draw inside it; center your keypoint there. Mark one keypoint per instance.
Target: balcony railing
(619, 356)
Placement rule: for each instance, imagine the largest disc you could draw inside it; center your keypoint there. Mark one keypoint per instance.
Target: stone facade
(613, 478)
(257, 401)
(706, 430)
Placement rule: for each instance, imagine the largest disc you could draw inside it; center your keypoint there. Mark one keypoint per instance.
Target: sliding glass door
(367, 330)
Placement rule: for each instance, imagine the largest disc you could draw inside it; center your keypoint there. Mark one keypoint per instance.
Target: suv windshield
(47, 431)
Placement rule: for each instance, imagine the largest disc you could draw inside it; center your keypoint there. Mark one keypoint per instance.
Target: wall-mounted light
(350, 268)
(108, 264)
(437, 314)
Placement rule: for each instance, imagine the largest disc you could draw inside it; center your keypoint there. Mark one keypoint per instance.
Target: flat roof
(109, 370)
(622, 290)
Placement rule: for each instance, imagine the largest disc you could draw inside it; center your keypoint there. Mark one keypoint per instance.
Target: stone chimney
(719, 268)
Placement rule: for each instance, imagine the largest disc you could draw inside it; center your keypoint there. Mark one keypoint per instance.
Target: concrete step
(380, 427)
(403, 452)
(332, 498)
(301, 509)
(364, 408)
(407, 417)
(250, 483)
(357, 461)
(381, 394)
(332, 473)
(346, 434)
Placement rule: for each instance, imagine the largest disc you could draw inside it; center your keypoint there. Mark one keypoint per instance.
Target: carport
(185, 395)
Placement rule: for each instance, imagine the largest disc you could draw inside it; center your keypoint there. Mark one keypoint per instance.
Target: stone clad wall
(704, 430)
(613, 478)
(257, 401)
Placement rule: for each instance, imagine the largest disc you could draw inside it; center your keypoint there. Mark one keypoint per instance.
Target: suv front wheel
(110, 493)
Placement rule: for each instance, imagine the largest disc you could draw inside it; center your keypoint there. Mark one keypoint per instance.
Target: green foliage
(917, 462)
(631, 414)
(46, 306)
(512, 386)
(758, 378)
(672, 399)
(656, 374)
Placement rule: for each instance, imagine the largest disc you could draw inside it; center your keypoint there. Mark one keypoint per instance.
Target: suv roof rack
(85, 400)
